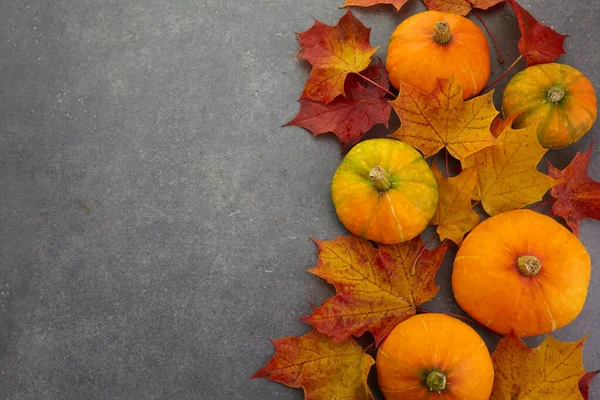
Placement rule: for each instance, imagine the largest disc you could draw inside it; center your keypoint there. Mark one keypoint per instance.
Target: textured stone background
(154, 216)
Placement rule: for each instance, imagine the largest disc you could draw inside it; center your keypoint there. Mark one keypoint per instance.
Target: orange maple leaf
(367, 3)
(454, 216)
(462, 7)
(376, 288)
(550, 371)
(324, 369)
(507, 175)
(440, 118)
(334, 52)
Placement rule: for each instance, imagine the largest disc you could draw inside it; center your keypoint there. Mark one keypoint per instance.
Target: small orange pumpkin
(434, 356)
(432, 45)
(561, 98)
(521, 271)
(384, 191)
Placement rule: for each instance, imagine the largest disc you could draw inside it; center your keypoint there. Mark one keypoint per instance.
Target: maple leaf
(577, 196)
(351, 116)
(324, 369)
(584, 383)
(550, 371)
(462, 7)
(507, 175)
(376, 288)
(440, 118)
(454, 216)
(367, 3)
(334, 52)
(539, 43)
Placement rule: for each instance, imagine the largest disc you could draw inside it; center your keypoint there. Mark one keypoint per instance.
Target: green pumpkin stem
(380, 179)
(529, 265)
(556, 93)
(441, 32)
(436, 381)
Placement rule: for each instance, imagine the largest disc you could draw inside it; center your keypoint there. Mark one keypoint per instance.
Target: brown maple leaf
(351, 116)
(324, 369)
(551, 371)
(462, 7)
(454, 216)
(334, 52)
(367, 3)
(507, 175)
(539, 43)
(440, 118)
(376, 288)
(577, 196)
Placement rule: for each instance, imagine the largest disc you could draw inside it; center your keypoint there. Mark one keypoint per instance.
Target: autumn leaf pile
(377, 287)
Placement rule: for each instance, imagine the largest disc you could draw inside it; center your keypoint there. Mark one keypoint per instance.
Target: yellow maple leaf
(440, 118)
(324, 369)
(454, 216)
(551, 371)
(507, 175)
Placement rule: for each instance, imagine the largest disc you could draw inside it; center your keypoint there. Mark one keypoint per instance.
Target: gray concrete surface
(154, 216)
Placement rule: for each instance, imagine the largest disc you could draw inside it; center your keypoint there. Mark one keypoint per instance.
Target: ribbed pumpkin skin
(561, 123)
(395, 215)
(434, 341)
(417, 60)
(489, 287)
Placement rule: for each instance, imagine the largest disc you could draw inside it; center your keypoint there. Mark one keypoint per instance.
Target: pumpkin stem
(556, 93)
(436, 381)
(529, 265)
(380, 178)
(441, 32)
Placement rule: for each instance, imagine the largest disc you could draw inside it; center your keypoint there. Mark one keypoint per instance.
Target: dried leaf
(454, 216)
(440, 118)
(334, 52)
(507, 173)
(376, 288)
(584, 383)
(351, 116)
(539, 43)
(550, 371)
(324, 369)
(461, 7)
(367, 3)
(577, 196)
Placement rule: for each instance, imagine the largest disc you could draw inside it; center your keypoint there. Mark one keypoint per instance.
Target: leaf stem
(376, 84)
(413, 270)
(545, 203)
(500, 59)
(504, 73)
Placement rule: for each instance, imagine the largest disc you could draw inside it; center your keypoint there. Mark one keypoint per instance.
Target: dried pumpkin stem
(529, 265)
(380, 178)
(436, 381)
(556, 93)
(441, 32)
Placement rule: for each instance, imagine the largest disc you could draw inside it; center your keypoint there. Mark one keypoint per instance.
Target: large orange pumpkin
(433, 45)
(434, 356)
(384, 191)
(521, 271)
(561, 98)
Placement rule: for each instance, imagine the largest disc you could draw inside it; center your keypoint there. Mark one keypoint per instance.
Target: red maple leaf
(351, 116)
(539, 43)
(578, 197)
(584, 383)
(334, 52)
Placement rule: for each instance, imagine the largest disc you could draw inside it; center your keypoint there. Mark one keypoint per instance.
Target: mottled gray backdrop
(155, 217)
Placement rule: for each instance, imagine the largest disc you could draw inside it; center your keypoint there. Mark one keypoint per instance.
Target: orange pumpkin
(434, 356)
(561, 98)
(384, 191)
(521, 271)
(433, 45)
